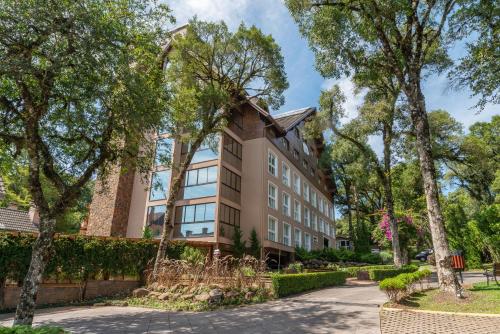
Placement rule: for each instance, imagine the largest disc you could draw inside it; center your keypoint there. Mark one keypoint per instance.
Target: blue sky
(272, 17)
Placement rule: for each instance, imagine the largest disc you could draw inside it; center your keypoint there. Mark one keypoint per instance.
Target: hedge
(288, 284)
(336, 255)
(78, 257)
(353, 271)
(378, 274)
(403, 284)
(32, 330)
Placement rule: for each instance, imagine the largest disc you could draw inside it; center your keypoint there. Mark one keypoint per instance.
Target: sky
(272, 17)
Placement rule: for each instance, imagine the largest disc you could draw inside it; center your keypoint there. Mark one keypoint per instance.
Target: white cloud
(353, 101)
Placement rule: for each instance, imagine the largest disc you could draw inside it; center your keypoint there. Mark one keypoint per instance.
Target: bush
(288, 284)
(193, 256)
(403, 284)
(80, 257)
(336, 255)
(378, 274)
(296, 267)
(353, 271)
(31, 330)
(386, 257)
(372, 258)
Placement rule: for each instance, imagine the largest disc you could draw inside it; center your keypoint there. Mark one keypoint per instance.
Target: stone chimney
(33, 214)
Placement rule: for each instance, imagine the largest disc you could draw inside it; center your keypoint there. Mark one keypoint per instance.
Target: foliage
(79, 257)
(32, 330)
(254, 249)
(296, 267)
(147, 233)
(335, 255)
(239, 246)
(193, 256)
(380, 274)
(353, 271)
(402, 285)
(288, 284)
(386, 257)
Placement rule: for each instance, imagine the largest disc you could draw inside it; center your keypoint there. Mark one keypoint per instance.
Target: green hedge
(32, 330)
(378, 274)
(353, 271)
(288, 284)
(79, 257)
(336, 255)
(403, 284)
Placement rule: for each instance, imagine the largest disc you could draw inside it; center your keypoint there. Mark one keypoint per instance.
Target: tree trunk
(172, 197)
(39, 258)
(446, 276)
(349, 211)
(389, 201)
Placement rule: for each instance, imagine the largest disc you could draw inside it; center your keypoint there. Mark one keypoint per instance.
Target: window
(271, 196)
(155, 219)
(320, 203)
(305, 164)
(314, 199)
(321, 226)
(229, 215)
(307, 217)
(313, 171)
(305, 148)
(296, 154)
(296, 183)
(286, 204)
(232, 146)
(160, 185)
(306, 191)
(195, 220)
(297, 234)
(272, 163)
(271, 228)
(307, 241)
(200, 182)
(314, 221)
(208, 150)
(287, 234)
(164, 150)
(230, 179)
(285, 143)
(327, 229)
(285, 171)
(296, 211)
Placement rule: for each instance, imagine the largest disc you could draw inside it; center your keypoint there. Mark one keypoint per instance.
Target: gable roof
(289, 119)
(16, 220)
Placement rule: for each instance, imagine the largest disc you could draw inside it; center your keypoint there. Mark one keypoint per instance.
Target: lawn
(478, 299)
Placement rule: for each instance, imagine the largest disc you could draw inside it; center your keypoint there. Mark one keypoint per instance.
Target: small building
(344, 243)
(12, 219)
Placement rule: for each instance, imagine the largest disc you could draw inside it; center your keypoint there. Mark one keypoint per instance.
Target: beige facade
(229, 184)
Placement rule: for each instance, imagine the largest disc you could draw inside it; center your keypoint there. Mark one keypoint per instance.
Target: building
(14, 220)
(260, 173)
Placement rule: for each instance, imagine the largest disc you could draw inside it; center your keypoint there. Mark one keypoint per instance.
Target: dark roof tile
(16, 220)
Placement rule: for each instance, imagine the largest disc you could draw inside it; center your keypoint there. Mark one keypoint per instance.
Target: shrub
(288, 284)
(403, 284)
(378, 274)
(296, 266)
(386, 257)
(193, 256)
(353, 271)
(370, 258)
(31, 330)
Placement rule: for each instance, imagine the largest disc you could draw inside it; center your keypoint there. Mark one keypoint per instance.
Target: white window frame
(307, 241)
(297, 237)
(307, 190)
(305, 148)
(274, 230)
(296, 183)
(269, 197)
(314, 221)
(286, 205)
(307, 217)
(314, 199)
(320, 204)
(321, 224)
(287, 236)
(285, 174)
(297, 210)
(272, 167)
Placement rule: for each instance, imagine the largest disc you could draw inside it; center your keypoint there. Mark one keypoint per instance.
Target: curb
(491, 315)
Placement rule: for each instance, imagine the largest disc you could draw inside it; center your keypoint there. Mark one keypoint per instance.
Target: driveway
(345, 309)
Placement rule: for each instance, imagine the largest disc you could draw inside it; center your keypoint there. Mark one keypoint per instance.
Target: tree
(254, 244)
(80, 87)
(212, 72)
(239, 246)
(405, 38)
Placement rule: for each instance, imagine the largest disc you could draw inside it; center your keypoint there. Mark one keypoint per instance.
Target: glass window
(296, 211)
(297, 237)
(287, 234)
(307, 241)
(285, 143)
(327, 228)
(229, 215)
(155, 219)
(305, 148)
(197, 220)
(271, 228)
(307, 217)
(306, 191)
(160, 184)
(321, 225)
(272, 163)
(286, 204)
(231, 179)
(164, 151)
(208, 150)
(314, 201)
(271, 198)
(320, 202)
(200, 182)
(285, 171)
(232, 146)
(314, 221)
(296, 183)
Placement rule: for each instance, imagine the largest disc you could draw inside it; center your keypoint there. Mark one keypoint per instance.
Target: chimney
(33, 214)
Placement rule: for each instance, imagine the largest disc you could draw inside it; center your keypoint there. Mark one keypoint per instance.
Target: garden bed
(479, 298)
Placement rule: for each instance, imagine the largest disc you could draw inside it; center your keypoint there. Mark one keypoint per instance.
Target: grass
(479, 298)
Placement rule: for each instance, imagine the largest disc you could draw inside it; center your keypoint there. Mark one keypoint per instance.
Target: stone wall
(56, 293)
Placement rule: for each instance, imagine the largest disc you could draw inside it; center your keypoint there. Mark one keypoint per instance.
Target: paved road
(347, 309)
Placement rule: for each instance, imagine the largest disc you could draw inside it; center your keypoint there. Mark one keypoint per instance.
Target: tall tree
(80, 86)
(212, 72)
(405, 38)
